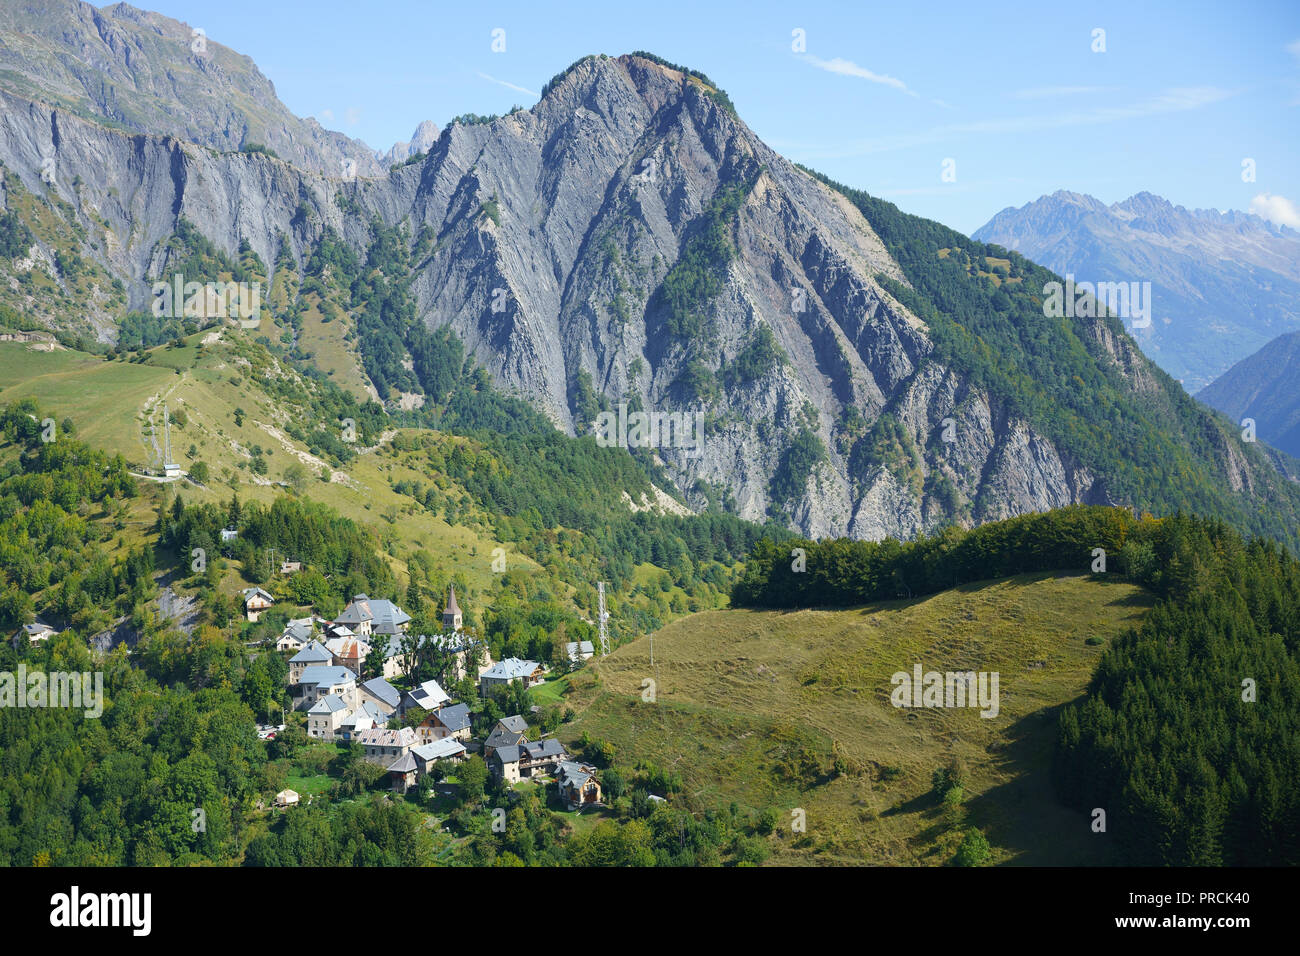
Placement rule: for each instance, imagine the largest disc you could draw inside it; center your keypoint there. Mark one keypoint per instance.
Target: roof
(386, 692)
(250, 593)
(347, 647)
(543, 748)
(386, 617)
(571, 772)
(429, 695)
(326, 676)
(439, 749)
(506, 754)
(579, 647)
(329, 704)
(286, 795)
(452, 606)
(503, 738)
(515, 724)
(512, 668)
(38, 628)
(355, 721)
(454, 716)
(300, 628)
(313, 653)
(403, 764)
(405, 737)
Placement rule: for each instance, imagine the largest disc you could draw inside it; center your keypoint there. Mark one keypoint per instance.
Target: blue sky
(879, 98)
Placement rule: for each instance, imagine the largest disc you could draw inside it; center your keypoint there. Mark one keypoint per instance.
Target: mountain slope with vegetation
(1188, 729)
(1222, 283)
(776, 712)
(1265, 387)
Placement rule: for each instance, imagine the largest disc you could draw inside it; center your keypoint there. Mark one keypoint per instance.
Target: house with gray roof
(515, 723)
(325, 716)
(427, 696)
(509, 670)
(450, 720)
(579, 651)
(508, 732)
(256, 600)
(366, 616)
(382, 693)
(321, 680)
(314, 653)
(503, 762)
(445, 749)
(297, 634)
(365, 717)
(578, 784)
(385, 746)
(513, 762)
(403, 772)
(33, 633)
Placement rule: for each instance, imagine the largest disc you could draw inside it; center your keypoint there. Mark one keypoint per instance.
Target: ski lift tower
(604, 617)
(170, 468)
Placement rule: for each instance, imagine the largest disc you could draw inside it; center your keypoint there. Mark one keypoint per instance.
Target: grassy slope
(110, 401)
(106, 401)
(732, 685)
(325, 342)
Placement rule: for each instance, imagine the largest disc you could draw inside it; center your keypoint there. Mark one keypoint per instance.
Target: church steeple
(451, 618)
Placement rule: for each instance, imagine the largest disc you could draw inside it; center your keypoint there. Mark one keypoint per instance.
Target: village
(419, 731)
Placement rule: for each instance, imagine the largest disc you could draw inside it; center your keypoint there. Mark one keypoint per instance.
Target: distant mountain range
(1266, 387)
(1223, 284)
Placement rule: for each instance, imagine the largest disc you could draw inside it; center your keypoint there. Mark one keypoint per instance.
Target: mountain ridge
(1223, 283)
(1265, 387)
(643, 246)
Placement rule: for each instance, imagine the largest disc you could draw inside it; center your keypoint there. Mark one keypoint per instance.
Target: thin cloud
(509, 86)
(849, 68)
(1170, 101)
(1293, 48)
(1276, 209)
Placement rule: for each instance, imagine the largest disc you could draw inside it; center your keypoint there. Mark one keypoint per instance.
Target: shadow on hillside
(1024, 816)
(1022, 580)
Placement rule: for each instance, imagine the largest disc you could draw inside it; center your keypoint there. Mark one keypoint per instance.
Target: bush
(947, 779)
(974, 849)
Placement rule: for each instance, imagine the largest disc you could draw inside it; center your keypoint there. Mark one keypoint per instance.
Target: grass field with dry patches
(742, 696)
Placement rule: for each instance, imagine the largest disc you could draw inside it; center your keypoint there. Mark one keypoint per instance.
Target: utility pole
(604, 617)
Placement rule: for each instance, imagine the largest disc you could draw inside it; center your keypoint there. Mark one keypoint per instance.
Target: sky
(952, 111)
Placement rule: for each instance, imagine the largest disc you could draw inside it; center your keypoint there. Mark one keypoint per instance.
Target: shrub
(974, 849)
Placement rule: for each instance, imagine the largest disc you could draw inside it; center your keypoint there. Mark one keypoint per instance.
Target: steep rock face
(1222, 284)
(554, 231)
(145, 72)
